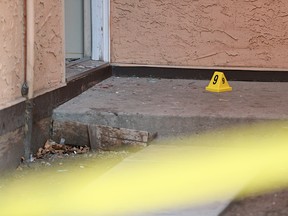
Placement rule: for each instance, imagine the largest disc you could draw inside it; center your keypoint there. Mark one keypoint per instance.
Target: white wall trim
(106, 30)
(100, 30)
(87, 28)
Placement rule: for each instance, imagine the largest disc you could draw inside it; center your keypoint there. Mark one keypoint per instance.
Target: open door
(87, 30)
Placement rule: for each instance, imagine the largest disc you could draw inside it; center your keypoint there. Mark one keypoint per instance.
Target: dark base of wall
(13, 118)
(11, 149)
(198, 74)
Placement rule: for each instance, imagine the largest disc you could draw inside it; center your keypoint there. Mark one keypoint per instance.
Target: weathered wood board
(112, 138)
(74, 133)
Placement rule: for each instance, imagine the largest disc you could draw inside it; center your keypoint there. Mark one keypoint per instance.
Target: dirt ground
(271, 204)
(65, 164)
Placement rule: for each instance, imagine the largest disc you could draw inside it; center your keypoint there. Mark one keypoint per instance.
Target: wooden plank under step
(74, 133)
(112, 138)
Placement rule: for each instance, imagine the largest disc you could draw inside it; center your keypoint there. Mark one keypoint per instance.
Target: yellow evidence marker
(218, 83)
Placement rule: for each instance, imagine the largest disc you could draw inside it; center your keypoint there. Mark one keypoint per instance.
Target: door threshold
(79, 68)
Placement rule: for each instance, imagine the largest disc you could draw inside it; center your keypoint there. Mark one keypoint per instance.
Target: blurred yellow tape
(252, 158)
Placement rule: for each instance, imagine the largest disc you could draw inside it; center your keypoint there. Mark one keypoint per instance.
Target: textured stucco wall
(252, 33)
(49, 53)
(49, 56)
(11, 50)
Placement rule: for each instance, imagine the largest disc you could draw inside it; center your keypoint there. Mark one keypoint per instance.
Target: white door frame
(100, 12)
(87, 28)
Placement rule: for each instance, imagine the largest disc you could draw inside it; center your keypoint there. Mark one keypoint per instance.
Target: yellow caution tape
(249, 160)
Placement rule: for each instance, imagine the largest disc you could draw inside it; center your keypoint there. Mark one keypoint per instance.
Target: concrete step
(168, 107)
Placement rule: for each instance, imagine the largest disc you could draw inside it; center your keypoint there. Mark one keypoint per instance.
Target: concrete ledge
(173, 107)
(74, 127)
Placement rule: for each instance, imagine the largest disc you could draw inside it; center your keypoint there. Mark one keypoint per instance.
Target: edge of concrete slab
(70, 126)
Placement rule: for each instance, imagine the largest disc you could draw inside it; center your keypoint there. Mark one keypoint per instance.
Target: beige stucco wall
(11, 50)
(200, 33)
(49, 56)
(49, 45)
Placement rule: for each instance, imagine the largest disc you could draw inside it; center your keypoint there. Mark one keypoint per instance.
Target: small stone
(19, 168)
(47, 164)
(62, 170)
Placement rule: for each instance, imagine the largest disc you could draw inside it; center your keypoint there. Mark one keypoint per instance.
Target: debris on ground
(53, 148)
(62, 158)
(68, 163)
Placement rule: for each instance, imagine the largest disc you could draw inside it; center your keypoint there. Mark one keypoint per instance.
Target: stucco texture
(226, 33)
(49, 52)
(11, 52)
(49, 66)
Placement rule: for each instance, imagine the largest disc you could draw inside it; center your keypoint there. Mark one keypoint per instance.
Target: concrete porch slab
(174, 107)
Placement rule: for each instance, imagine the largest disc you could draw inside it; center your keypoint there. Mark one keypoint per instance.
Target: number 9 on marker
(218, 83)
